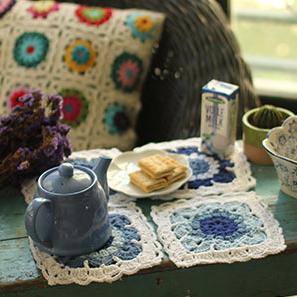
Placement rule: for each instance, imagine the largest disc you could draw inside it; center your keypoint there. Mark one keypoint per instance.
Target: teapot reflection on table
(69, 215)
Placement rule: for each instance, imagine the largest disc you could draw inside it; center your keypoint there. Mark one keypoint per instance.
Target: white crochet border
(150, 256)
(181, 257)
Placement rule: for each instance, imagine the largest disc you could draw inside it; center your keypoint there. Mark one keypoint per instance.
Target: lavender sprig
(32, 138)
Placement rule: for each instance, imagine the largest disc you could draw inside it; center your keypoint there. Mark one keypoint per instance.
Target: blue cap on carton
(221, 88)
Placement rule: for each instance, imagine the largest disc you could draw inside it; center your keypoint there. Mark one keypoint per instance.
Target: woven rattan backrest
(197, 45)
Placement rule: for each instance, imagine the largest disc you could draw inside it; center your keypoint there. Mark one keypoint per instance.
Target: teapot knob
(66, 170)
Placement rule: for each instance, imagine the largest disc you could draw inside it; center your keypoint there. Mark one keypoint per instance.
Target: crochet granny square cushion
(96, 58)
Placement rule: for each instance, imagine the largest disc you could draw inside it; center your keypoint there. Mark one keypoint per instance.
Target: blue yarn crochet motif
(124, 244)
(206, 168)
(217, 226)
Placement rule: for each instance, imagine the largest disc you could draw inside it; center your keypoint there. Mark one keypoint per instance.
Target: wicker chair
(197, 45)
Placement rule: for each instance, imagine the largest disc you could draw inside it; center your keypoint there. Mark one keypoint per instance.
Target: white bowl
(118, 173)
(281, 145)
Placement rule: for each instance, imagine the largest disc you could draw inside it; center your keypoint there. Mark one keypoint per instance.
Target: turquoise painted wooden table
(272, 276)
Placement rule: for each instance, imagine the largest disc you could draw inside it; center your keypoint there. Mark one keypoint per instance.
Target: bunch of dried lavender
(31, 138)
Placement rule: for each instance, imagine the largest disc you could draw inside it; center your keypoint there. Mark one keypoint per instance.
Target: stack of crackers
(157, 172)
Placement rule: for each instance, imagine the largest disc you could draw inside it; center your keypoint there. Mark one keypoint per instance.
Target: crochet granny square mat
(233, 227)
(132, 247)
(212, 175)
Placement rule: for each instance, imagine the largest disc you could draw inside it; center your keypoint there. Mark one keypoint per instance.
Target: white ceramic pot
(281, 145)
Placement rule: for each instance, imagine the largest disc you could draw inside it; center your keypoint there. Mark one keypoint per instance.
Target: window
(267, 33)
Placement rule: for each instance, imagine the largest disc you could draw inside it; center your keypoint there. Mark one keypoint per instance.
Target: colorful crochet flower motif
(42, 9)
(30, 49)
(142, 26)
(75, 107)
(80, 55)
(124, 244)
(13, 99)
(5, 6)
(93, 16)
(207, 169)
(116, 118)
(126, 71)
(217, 226)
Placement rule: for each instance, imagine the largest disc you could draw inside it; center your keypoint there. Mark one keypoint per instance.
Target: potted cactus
(256, 124)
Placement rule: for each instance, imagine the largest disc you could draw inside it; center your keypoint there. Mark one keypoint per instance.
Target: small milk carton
(219, 117)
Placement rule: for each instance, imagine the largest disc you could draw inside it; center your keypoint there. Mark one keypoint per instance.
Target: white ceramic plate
(120, 167)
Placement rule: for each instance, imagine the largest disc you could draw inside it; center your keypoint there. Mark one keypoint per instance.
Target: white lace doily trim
(179, 255)
(242, 182)
(150, 256)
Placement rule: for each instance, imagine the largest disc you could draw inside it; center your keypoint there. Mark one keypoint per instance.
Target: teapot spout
(100, 170)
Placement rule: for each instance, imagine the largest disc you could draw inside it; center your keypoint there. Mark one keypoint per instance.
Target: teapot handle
(39, 221)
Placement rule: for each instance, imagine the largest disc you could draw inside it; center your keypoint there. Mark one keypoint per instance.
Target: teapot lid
(67, 179)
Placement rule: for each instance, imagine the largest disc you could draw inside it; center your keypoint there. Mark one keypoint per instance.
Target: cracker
(146, 183)
(155, 167)
(177, 174)
(170, 161)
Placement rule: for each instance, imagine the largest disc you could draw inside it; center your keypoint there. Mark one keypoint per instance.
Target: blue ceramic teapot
(69, 215)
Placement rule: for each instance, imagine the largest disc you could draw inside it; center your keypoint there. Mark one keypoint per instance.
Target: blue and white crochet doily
(133, 247)
(225, 229)
(211, 175)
